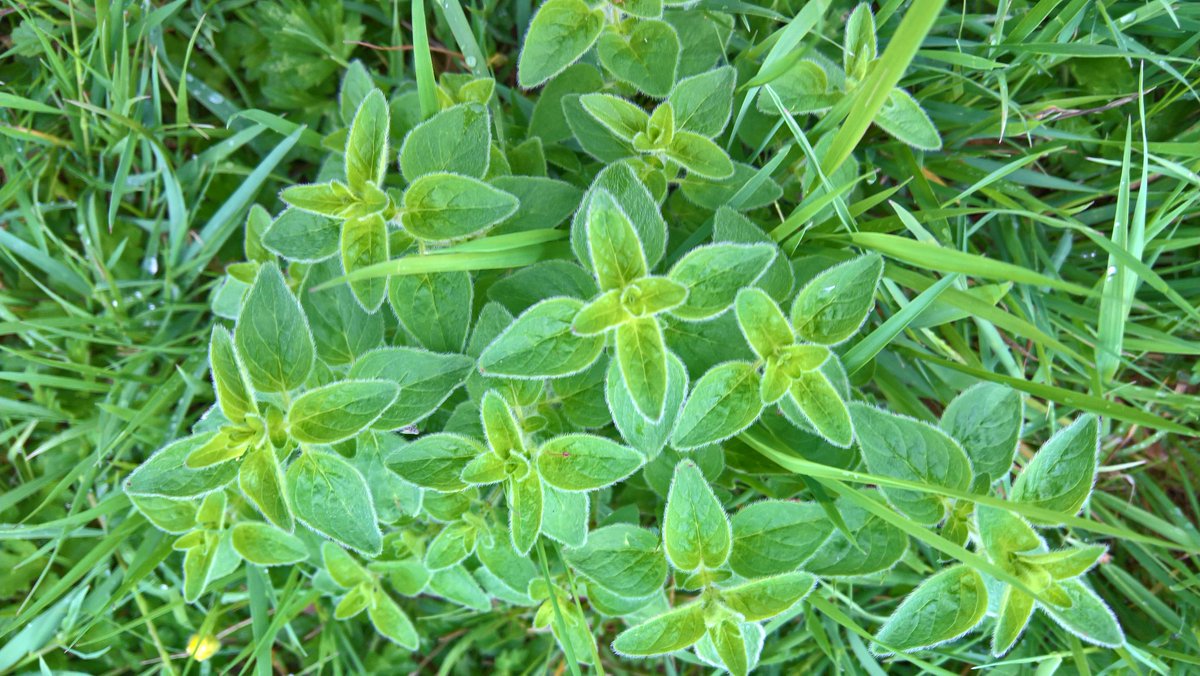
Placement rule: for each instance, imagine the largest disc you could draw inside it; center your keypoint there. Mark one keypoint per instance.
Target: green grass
(1068, 185)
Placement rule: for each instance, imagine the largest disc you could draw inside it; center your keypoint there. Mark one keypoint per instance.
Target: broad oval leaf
(762, 322)
(426, 379)
(620, 116)
(904, 120)
(695, 530)
(391, 622)
(445, 206)
(540, 344)
(671, 631)
(435, 461)
(644, 53)
(456, 140)
(700, 156)
(265, 545)
(834, 304)
(986, 419)
(763, 599)
(873, 544)
(340, 410)
(1062, 472)
(434, 308)
(714, 274)
(330, 496)
(165, 475)
(272, 334)
(1087, 616)
(624, 559)
(723, 402)
(776, 536)
(614, 249)
(941, 609)
(584, 462)
(560, 33)
(303, 236)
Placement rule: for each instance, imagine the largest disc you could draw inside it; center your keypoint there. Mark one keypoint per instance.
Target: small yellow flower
(202, 648)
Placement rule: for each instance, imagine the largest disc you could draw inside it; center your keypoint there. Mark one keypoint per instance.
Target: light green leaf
(622, 558)
(435, 461)
(272, 335)
(643, 9)
(620, 116)
(1061, 474)
(456, 584)
(722, 403)
(168, 515)
(367, 143)
(806, 87)
(695, 530)
(391, 622)
(564, 515)
(822, 407)
(641, 355)
(763, 599)
(762, 322)
(340, 410)
(165, 475)
(1016, 608)
(261, 479)
(876, 545)
(714, 274)
(941, 609)
(540, 344)
(601, 314)
(703, 103)
(488, 468)
(776, 536)
(644, 435)
(198, 565)
(584, 462)
(1087, 616)
(332, 199)
(635, 201)
(525, 506)
(345, 571)
(300, 235)
(354, 602)
(986, 419)
(666, 633)
(328, 495)
(454, 543)
(700, 156)
(835, 303)
(614, 250)
(912, 450)
(1003, 534)
(456, 140)
(904, 120)
(500, 425)
(365, 243)
(434, 308)
(356, 84)
(1067, 563)
(265, 545)
(730, 226)
(644, 53)
(859, 50)
(221, 448)
(730, 646)
(426, 379)
(652, 295)
(445, 206)
(560, 33)
(342, 330)
(230, 381)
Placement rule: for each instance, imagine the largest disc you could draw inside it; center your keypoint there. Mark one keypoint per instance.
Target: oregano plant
(551, 357)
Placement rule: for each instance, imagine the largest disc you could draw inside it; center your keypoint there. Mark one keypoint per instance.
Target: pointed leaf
(525, 505)
(941, 609)
(445, 206)
(584, 462)
(823, 407)
(1061, 475)
(776, 536)
(642, 357)
(367, 142)
(714, 275)
(328, 495)
(261, 479)
(426, 379)
(265, 545)
(230, 381)
(671, 631)
(700, 156)
(622, 558)
(434, 307)
(723, 402)
(560, 33)
(272, 334)
(340, 410)
(763, 599)
(695, 530)
(832, 307)
(540, 344)
(436, 461)
(986, 419)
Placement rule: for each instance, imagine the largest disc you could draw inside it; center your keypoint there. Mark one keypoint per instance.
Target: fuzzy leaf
(456, 140)
(583, 462)
(614, 250)
(272, 335)
(1087, 616)
(715, 273)
(300, 235)
(165, 475)
(822, 406)
(560, 33)
(762, 322)
(265, 545)
(261, 479)
(391, 622)
(331, 497)
(700, 156)
(646, 436)
(525, 510)
(435, 461)
(641, 354)
(434, 307)
(903, 119)
(620, 116)
(986, 419)
(445, 206)
(832, 307)
(340, 410)
(776, 536)
(365, 243)
(695, 530)
(1061, 474)
(666, 633)
(1016, 608)
(703, 103)
(230, 381)
(622, 558)
(601, 314)
(647, 56)
(540, 344)
(426, 379)
(367, 143)
(941, 609)
(763, 599)
(722, 403)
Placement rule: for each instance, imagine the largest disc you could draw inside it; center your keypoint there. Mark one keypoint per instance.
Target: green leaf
(622, 558)
(763, 599)
(730, 646)
(860, 47)
(1087, 616)
(647, 436)
(1061, 474)
(434, 308)
(1067, 563)
(356, 84)
(448, 548)
(986, 419)
(666, 633)
(525, 509)
(230, 381)
(166, 514)
(345, 571)
(584, 462)
(342, 330)
(436, 461)
(456, 140)
(261, 479)
(164, 474)
(904, 120)
(367, 143)
(762, 322)
(714, 274)
(365, 243)
(499, 557)
(445, 206)
(620, 116)
(776, 536)
(1003, 534)
(875, 544)
(642, 357)
(822, 406)
(500, 426)
(488, 468)
(643, 9)
(426, 380)
(700, 156)
(695, 530)
(340, 410)
(941, 609)
(265, 545)
(540, 344)
(198, 565)
(1016, 608)
(391, 622)
(332, 199)
(272, 334)
(560, 33)
(652, 295)
(614, 250)
(806, 87)
(601, 314)
(730, 226)
(722, 403)
(703, 103)
(911, 450)
(456, 585)
(834, 304)
(329, 496)
(564, 515)
(644, 53)
(299, 235)
(594, 138)
(354, 602)
(638, 205)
